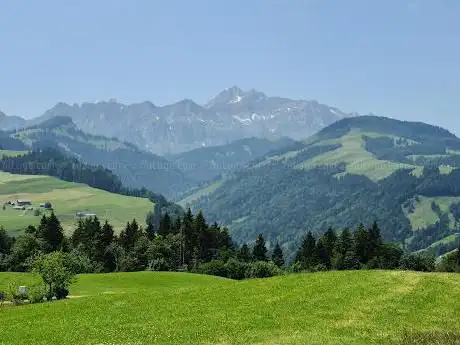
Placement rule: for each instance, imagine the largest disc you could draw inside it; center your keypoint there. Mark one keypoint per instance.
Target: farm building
(23, 202)
(83, 214)
(17, 207)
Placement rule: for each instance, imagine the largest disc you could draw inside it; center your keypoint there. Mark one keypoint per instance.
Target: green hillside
(67, 199)
(356, 307)
(403, 174)
(205, 163)
(136, 168)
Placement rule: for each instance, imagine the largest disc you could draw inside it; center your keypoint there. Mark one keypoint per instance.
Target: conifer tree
(50, 233)
(306, 255)
(361, 241)
(6, 242)
(244, 254)
(277, 256)
(375, 241)
(259, 252)
(129, 236)
(165, 225)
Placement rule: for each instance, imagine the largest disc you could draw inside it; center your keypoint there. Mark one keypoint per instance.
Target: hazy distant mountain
(232, 115)
(11, 122)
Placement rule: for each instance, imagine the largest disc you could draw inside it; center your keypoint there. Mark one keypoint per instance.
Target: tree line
(189, 243)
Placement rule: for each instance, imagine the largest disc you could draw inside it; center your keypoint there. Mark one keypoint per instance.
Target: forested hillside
(136, 168)
(402, 174)
(205, 163)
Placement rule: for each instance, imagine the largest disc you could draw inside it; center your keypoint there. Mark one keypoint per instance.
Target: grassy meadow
(67, 198)
(354, 307)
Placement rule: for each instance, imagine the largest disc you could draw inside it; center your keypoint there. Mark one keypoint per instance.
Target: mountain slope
(357, 170)
(67, 199)
(11, 122)
(135, 168)
(205, 163)
(232, 115)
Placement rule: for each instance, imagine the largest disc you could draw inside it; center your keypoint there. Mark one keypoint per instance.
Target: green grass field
(10, 153)
(67, 199)
(424, 216)
(361, 307)
(358, 160)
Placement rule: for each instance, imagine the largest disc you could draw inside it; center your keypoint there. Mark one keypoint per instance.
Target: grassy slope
(67, 199)
(358, 160)
(12, 153)
(424, 215)
(367, 307)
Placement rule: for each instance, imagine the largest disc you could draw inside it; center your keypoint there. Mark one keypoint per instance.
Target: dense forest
(189, 243)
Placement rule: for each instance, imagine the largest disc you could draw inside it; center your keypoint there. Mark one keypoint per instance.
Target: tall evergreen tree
(244, 254)
(259, 252)
(50, 233)
(361, 241)
(6, 242)
(306, 255)
(165, 225)
(277, 256)
(375, 241)
(129, 236)
(329, 240)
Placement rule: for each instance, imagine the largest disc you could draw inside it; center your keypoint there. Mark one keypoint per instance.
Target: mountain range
(231, 115)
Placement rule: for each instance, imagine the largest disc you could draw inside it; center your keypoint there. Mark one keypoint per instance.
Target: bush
(214, 268)
(37, 212)
(61, 293)
(236, 269)
(418, 262)
(13, 294)
(263, 269)
(36, 293)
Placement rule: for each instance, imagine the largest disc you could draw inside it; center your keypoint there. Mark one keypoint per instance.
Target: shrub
(214, 268)
(263, 269)
(36, 293)
(418, 262)
(61, 293)
(37, 212)
(321, 268)
(236, 269)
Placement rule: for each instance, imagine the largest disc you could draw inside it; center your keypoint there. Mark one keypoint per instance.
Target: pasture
(354, 307)
(67, 199)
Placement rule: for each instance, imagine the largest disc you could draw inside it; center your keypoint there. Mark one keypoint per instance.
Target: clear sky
(396, 58)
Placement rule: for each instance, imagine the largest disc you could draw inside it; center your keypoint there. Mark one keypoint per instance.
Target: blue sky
(394, 58)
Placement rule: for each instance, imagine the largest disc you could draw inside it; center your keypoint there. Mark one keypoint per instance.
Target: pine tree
(375, 241)
(129, 236)
(277, 256)
(150, 231)
(165, 225)
(244, 254)
(344, 250)
(306, 255)
(322, 254)
(329, 241)
(361, 241)
(51, 234)
(259, 252)
(6, 242)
